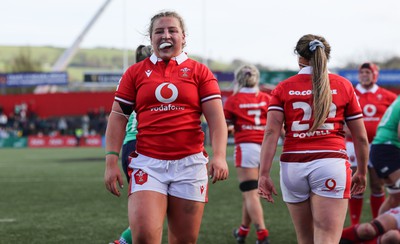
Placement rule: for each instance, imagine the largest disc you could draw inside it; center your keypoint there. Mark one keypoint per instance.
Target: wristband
(112, 153)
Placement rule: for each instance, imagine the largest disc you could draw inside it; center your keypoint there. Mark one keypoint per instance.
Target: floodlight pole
(125, 51)
(63, 61)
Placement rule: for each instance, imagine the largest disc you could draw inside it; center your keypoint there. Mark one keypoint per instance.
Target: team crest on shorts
(140, 177)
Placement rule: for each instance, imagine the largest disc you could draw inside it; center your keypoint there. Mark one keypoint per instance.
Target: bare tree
(24, 62)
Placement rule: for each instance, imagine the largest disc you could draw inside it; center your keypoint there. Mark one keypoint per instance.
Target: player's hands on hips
(358, 183)
(112, 175)
(218, 169)
(266, 188)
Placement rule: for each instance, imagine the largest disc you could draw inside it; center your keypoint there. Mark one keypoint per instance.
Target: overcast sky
(257, 31)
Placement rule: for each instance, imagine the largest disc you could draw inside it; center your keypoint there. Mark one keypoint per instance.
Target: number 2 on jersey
(300, 125)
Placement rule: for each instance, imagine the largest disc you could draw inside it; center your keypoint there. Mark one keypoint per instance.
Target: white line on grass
(7, 220)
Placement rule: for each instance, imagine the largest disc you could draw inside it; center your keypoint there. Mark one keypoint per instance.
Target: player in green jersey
(385, 154)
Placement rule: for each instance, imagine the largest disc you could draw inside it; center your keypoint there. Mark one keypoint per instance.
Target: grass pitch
(58, 196)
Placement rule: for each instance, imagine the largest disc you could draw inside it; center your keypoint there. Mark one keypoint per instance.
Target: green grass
(58, 196)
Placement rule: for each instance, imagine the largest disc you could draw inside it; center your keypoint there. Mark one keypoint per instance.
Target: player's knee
(365, 231)
(370, 230)
(374, 229)
(248, 185)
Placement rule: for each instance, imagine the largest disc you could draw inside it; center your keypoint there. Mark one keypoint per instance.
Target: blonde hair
(246, 76)
(316, 50)
(167, 14)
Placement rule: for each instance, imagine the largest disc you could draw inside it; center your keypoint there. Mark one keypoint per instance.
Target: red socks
(243, 230)
(376, 202)
(355, 208)
(356, 205)
(261, 234)
(350, 233)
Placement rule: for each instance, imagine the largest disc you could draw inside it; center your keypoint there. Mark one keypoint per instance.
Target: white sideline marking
(7, 220)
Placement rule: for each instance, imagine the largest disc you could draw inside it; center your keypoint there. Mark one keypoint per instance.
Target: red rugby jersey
(167, 99)
(247, 111)
(374, 103)
(294, 98)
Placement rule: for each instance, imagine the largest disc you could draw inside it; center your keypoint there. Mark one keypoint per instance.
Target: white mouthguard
(164, 45)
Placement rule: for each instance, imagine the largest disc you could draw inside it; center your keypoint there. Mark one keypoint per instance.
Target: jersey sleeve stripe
(270, 108)
(210, 98)
(357, 116)
(123, 100)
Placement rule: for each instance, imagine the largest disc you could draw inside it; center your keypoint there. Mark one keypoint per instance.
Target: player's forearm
(115, 132)
(272, 133)
(219, 138)
(214, 114)
(361, 145)
(362, 152)
(268, 150)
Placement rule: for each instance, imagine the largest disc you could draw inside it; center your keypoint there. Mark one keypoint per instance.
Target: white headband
(314, 44)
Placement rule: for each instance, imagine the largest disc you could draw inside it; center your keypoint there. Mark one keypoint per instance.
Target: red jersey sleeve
(126, 90)
(208, 88)
(276, 101)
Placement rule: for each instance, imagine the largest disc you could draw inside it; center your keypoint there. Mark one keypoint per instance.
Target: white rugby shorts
(351, 153)
(247, 155)
(326, 177)
(185, 178)
(395, 212)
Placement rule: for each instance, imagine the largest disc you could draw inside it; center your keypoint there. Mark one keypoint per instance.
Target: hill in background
(42, 58)
(108, 60)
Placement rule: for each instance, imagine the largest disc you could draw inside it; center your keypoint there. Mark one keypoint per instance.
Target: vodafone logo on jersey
(369, 110)
(166, 92)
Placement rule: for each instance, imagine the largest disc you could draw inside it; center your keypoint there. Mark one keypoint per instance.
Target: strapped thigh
(379, 230)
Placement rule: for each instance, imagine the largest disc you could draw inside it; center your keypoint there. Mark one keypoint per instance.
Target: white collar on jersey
(307, 70)
(362, 90)
(179, 59)
(249, 90)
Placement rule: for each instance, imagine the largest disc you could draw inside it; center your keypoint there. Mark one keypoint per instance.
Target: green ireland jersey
(131, 128)
(387, 132)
